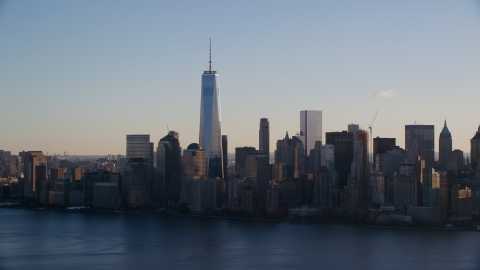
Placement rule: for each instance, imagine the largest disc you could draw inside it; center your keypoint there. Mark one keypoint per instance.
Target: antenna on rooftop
(210, 62)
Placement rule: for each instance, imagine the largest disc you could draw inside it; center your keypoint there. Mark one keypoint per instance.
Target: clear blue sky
(78, 76)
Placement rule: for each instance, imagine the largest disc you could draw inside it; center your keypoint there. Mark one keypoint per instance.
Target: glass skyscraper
(310, 128)
(420, 140)
(210, 123)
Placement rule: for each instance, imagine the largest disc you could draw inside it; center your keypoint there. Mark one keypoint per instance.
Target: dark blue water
(37, 239)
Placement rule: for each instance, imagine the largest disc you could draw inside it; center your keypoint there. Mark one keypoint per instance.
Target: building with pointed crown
(445, 147)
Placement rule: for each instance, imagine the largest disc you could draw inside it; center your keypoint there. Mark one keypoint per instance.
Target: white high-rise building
(310, 128)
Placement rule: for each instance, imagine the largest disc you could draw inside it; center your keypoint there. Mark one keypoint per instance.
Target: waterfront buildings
(206, 195)
(137, 185)
(35, 164)
(310, 128)
(461, 203)
(210, 137)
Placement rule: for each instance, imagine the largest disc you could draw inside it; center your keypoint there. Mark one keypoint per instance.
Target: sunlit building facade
(210, 122)
(310, 128)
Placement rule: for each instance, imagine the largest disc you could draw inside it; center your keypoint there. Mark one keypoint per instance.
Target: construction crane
(371, 136)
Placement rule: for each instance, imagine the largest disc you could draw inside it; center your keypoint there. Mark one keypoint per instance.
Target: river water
(46, 239)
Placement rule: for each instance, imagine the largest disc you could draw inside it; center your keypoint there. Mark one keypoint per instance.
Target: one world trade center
(210, 123)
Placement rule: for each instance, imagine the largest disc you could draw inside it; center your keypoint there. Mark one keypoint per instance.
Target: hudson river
(46, 239)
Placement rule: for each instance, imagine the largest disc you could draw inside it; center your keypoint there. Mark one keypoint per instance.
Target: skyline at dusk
(78, 78)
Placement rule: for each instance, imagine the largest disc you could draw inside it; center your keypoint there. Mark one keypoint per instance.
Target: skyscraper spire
(210, 62)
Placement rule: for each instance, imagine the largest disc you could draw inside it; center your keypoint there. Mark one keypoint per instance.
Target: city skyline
(80, 81)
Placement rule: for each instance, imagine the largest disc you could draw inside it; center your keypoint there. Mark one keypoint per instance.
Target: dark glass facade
(343, 149)
(420, 140)
(382, 145)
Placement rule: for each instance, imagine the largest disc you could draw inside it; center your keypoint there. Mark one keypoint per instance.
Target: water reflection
(51, 239)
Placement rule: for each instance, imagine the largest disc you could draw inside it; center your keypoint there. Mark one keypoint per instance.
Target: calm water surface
(43, 239)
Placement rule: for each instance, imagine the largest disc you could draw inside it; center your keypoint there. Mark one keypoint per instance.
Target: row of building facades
(308, 173)
(338, 174)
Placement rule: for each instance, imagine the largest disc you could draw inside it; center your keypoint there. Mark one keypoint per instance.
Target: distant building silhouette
(264, 136)
(475, 149)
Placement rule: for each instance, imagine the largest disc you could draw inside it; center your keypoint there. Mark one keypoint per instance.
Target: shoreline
(156, 212)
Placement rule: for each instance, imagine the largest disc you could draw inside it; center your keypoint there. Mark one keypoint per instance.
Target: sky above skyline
(79, 76)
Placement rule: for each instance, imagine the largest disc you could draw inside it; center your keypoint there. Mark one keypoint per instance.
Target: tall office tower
(377, 187)
(240, 158)
(328, 160)
(322, 187)
(137, 185)
(168, 165)
(283, 162)
(34, 160)
(225, 157)
(194, 167)
(353, 128)
(458, 160)
(210, 121)
(362, 164)
(475, 149)
(429, 183)
(343, 147)
(77, 173)
(56, 173)
(405, 190)
(435, 192)
(139, 146)
(382, 145)
(390, 161)
(419, 169)
(311, 128)
(420, 140)
(298, 156)
(315, 158)
(257, 172)
(445, 147)
(264, 136)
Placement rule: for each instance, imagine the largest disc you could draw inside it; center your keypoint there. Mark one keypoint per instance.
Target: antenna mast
(210, 62)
